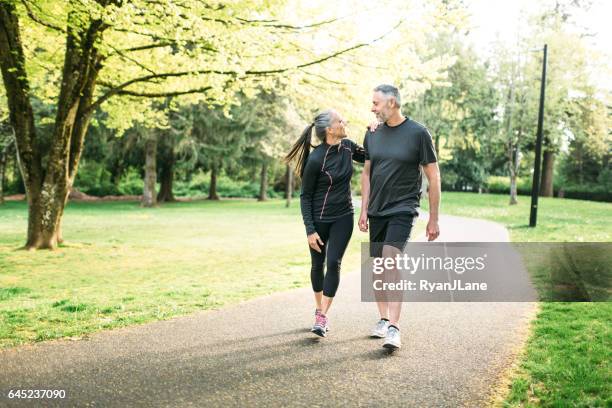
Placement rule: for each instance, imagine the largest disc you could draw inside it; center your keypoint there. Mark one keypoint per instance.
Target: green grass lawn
(567, 358)
(123, 264)
(559, 220)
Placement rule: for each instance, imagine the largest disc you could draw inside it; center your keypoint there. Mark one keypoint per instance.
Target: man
(391, 191)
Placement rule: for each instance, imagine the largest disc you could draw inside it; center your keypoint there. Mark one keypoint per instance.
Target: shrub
(93, 179)
(131, 183)
(587, 191)
(501, 185)
(226, 187)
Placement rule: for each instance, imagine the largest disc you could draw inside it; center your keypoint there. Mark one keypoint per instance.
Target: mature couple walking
(394, 150)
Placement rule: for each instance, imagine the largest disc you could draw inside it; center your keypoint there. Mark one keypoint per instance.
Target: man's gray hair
(389, 90)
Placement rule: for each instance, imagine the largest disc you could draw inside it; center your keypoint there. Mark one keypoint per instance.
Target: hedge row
(95, 180)
(593, 192)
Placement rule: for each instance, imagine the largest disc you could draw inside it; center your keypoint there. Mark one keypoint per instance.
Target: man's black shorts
(391, 230)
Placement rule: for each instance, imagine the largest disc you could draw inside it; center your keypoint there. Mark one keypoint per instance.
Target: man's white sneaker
(393, 340)
(380, 331)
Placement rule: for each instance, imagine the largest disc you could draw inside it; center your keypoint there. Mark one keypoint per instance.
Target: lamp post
(535, 187)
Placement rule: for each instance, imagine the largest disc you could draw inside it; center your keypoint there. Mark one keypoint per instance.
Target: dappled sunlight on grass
(123, 264)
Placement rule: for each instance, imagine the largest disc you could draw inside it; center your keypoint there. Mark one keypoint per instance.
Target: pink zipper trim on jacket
(331, 181)
(325, 158)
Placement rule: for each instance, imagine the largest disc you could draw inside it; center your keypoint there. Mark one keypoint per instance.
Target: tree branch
(148, 47)
(275, 23)
(36, 19)
(272, 24)
(166, 43)
(118, 89)
(324, 78)
(269, 23)
(164, 94)
(138, 63)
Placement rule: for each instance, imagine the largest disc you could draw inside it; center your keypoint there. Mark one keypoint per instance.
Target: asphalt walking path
(261, 353)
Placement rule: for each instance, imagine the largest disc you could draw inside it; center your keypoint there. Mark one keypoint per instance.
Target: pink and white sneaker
(320, 327)
(318, 312)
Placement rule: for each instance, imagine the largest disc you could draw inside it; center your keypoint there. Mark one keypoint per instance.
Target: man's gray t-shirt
(395, 153)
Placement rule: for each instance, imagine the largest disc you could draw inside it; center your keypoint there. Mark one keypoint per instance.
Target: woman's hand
(314, 241)
(372, 126)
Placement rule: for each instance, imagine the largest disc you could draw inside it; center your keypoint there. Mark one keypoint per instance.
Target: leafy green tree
(590, 145)
(459, 111)
(512, 85)
(567, 75)
(138, 50)
(517, 70)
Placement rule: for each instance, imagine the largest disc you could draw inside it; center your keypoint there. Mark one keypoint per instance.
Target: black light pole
(535, 187)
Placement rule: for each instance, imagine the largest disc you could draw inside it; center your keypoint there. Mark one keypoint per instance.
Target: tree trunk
(546, 186)
(263, 186)
(289, 186)
(512, 146)
(167, 177)
(513, 190)
(44, 216)
(20, 184)
(512, 158)
(515, 164)
(212, 191)
(150, 178)
(3, 155)
(47, 186)
(580, 165)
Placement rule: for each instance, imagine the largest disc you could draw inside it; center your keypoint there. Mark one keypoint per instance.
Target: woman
(326, 203)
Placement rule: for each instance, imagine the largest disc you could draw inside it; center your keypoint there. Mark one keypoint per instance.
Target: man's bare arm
(365, 196)
(432, 172)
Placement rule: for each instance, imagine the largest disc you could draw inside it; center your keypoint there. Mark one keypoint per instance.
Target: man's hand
(373, 126)
(432, 231)
(314, 241)
(363, 222)
(432, 171)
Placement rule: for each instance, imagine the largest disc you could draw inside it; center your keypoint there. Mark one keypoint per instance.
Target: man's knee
(390, 251)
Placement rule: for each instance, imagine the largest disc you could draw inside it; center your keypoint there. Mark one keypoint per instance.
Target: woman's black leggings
(335, 236)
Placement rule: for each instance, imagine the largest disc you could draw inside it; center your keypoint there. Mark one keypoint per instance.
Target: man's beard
(381, 117)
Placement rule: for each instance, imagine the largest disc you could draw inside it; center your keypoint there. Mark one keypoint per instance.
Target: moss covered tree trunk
(48, 182)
